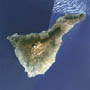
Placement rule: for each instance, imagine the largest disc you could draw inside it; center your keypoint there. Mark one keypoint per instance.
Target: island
(36, 52)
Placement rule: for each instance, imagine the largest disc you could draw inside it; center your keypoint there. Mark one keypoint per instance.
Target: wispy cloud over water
(71, 6)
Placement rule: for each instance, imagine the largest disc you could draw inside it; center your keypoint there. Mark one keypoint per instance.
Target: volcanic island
(36, 52)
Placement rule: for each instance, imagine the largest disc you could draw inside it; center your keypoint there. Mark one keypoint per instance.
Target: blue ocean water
(22, 17)
(71, 69)
(62, 7)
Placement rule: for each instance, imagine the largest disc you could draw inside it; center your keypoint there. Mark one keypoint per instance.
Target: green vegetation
(55, 31)
(70, 17)
(32, 38)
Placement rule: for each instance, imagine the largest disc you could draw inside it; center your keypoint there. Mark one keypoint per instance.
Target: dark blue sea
(71, 71)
